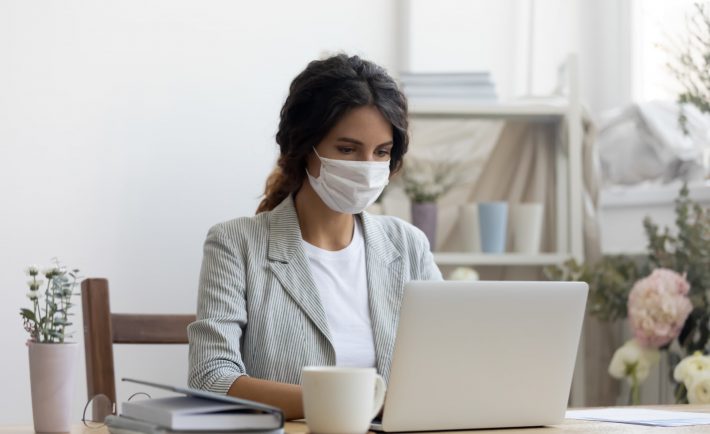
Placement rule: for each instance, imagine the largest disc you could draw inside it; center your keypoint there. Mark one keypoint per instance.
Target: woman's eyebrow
(357, 142)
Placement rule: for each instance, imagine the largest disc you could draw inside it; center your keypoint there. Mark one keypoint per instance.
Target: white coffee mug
(341, 400)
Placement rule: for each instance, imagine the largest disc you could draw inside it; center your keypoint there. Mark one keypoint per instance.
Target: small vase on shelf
(424, 217)
(493, 221)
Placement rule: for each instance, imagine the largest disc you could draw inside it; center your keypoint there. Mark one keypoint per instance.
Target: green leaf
(28, 314)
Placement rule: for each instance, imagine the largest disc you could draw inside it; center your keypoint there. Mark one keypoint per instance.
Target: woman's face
(363, 134)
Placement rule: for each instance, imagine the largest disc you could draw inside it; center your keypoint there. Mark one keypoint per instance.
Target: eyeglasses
(100, 406)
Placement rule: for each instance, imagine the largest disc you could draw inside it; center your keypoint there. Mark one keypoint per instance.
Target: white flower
(425, 180)
(464, 273)
(32, 270)
(699, 389)
(631, 360)
(420, 177)
(33, 295)
(690, 367)
(35, 284)
(50, 272)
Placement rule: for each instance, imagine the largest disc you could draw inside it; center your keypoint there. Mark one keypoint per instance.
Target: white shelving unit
(456, 258)
(568, 168)
(569, 188)
(545, 110)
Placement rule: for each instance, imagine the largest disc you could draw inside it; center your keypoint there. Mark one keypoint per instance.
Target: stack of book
(447, 87)
(195, 412)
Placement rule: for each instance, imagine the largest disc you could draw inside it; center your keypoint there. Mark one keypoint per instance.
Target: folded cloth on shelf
(644, 142)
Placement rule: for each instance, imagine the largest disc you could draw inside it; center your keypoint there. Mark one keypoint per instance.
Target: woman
(312, 279)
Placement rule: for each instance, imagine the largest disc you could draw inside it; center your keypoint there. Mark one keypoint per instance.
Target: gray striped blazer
(259, 312)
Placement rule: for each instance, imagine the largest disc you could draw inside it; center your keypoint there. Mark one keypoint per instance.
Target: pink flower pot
(424, 217)
(52, 369)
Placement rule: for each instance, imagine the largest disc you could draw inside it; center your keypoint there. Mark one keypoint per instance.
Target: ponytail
(274, 192)
(280, 184)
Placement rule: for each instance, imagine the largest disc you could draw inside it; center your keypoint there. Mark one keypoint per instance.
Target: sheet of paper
(641, 416)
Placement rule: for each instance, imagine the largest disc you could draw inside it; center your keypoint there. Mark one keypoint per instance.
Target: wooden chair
(102, 329)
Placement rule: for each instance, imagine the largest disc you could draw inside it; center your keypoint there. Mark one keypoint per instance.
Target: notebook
(126, 425)
(199, 410)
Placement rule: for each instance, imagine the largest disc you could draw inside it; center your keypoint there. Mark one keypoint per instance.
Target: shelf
(473, 259)
(541, 109)
(644, 196)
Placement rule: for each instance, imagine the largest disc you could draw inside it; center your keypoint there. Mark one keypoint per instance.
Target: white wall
(605, 53)
(623, 209)
(659, 32)
(467, 35)
(128, 128)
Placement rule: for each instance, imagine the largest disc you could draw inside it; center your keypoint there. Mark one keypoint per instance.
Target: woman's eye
(346, 150)
(383, 153)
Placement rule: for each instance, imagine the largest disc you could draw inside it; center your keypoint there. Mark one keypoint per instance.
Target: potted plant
(425, 180)
(52, 358)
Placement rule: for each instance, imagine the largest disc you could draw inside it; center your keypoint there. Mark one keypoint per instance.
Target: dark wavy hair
(318, 98)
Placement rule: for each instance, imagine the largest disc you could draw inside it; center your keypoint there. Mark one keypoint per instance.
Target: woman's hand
(287, 397)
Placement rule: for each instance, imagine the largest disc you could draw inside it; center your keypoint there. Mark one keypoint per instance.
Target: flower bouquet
(665, 295)
(658, 306)
(48, 319)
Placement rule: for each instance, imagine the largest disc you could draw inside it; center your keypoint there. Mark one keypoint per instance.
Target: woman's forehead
(363, 124)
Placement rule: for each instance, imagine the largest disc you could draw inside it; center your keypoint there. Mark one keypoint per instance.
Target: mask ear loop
(320, 159)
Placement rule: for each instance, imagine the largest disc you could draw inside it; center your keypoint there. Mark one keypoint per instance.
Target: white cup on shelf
(527, 221)
(339, 400)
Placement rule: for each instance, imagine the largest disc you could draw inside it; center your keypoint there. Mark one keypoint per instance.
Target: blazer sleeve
(215, 361)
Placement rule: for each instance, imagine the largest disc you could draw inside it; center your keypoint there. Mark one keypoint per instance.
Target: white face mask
(350, 186)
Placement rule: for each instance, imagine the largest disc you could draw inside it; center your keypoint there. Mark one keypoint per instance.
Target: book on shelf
(475, 87)
(446, 78)
(194, 411)
(451, 91)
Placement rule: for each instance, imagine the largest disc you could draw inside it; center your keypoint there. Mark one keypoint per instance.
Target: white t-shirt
(341, 279)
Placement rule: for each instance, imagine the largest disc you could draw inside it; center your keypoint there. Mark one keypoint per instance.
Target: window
(657, 26)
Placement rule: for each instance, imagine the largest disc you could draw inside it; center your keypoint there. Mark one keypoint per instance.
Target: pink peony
(658, 307)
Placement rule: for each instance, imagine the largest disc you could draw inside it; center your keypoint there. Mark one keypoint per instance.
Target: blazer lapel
(385, 284)
(288, 262)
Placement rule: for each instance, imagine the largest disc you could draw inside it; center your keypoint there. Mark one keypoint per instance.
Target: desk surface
(567, 426)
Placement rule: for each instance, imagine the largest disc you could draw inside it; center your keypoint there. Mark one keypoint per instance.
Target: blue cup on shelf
(493, 224)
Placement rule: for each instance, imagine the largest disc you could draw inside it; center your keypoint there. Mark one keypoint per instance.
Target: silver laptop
(483, 355)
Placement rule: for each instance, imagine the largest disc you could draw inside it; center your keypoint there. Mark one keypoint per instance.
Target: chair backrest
(102, 329)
